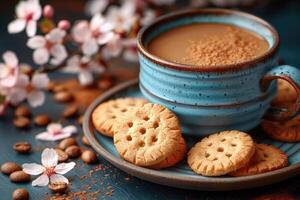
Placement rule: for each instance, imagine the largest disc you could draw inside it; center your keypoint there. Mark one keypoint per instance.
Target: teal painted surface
(285, 18)
(208, 102)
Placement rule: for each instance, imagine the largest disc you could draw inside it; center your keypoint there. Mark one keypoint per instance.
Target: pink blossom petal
(49, 158)
(85, 77)
(97, 21)
(10, 59)
(56, 35)
(36, 98)
(130, 55)
(46, 136)
(81, 31)
(36, 42)
(59, 53)
(73, 65)
(57, 178)
(63, 168)
(40, 81)
(23, 81)
(54, 128)
(16, 96)
(31, 28)
(105, 38)
(69, 129)
(16, 26)
(41, 56)
(9, 81)
(96, 67)
(107, 27)
(21, 9)
(90, 47)
(42, 180)
(93, 7)
(33, 168)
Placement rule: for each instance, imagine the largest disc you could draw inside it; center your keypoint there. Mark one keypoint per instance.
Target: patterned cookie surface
(105, 115)
(148, 135)
(266, 158)
(221, 153)
(286, 94)
(177, 155)
(287, 131)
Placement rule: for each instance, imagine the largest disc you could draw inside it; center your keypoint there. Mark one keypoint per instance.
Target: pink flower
(130, 50)
(113, 48)
(149, 16)
(122, 17)
(49, 46)
(93, 33)
(84, 67)
(55, 132)
(48, 11)
(27, 12)
(64, 24)
(50, 169)
(95, 6)
(30, 90)
(9, 70)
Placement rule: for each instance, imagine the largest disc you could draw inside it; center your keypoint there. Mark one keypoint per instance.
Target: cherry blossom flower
(93, 7)
(50, 170)
(49, 46)
(9, 70)
(149, 16)
(55, 132)
(29, 89)
(48, 11)
(113, 48)
(84, 67)
(122, 17)
(91, 34)
(27, 12)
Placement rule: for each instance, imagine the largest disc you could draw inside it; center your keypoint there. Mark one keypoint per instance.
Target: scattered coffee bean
(89, 157)
(63, 97)
(85, 141)
(70, 111)
(21, 122)
(80, 120)
(20, 194)
(10, 167)
(66, 143)
(19, 177)
(22, 147)
(62, 156)
(105, 84)
(22, 111)
(73, 151)
(42, 120)
(58, 187)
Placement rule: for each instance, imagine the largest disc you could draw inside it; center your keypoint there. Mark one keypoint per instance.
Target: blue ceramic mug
(215, 98)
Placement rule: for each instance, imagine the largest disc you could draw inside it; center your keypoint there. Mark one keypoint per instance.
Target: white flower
(122, 17)
(91, 34)
(84, 67)
(27, 12)
(50, 45)
(9, 70)
(50, 170)
(93, 7)
(55, 132)
(130, 50)
(113, 48)
(149, 16)
(30, 90)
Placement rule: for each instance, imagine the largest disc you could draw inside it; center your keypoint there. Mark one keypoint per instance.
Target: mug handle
(292, 76)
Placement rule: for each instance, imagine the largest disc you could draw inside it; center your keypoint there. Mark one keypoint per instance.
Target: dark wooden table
(107, 182)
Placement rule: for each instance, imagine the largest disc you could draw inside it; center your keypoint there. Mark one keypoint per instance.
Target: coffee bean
(62, 156)
(73, 151)
(89, 157)
(22, 147)
(85, 141)
(21, 122)
(58, 187)
(70, 111)
(22, 111)
(20, 194)
(42, 120)
(66, 143)
(10, 167)
(63, 97)
(19, 176)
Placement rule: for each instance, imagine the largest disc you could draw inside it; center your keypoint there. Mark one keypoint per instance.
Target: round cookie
(176, 156)
(221, 153)
(147, 135)
(286, 131)
(286, 94)
(266, 158)
(104, 117)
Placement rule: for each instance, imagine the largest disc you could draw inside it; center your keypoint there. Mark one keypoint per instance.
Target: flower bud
(48, 11)
(64, 24)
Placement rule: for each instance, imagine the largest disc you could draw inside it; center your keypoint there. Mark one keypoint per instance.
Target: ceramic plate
(181, 175)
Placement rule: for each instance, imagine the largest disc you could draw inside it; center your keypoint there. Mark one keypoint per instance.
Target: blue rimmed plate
(181, 175)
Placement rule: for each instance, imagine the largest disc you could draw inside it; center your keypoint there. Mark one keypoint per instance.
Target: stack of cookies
(144, 134)
(149, 135)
